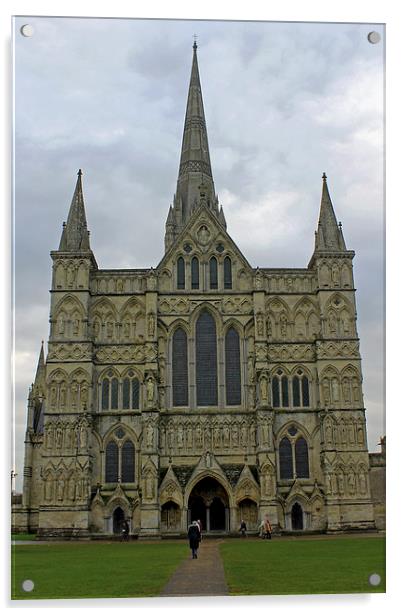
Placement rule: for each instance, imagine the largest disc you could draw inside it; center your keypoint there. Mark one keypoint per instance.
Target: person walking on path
(267, 529)
(194, 537)
(200, 527)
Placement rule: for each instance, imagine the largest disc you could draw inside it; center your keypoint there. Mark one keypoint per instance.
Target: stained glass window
(232, 367)
(105, 394)
(213, 273)
(275, 392)
(180, 368)
(112, 462)
(206, 361)
(296, 391)
(305, 391)
(115, 394)
(301, 456)
(181, 279)
(135, 401)
(126, 394)
(195, 273)
(127, 462)
(285, 459)
(227, 273)
(285, 391)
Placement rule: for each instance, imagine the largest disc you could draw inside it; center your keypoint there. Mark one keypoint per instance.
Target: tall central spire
(195, 184)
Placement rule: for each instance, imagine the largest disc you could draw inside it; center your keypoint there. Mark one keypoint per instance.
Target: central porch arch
(209, 502)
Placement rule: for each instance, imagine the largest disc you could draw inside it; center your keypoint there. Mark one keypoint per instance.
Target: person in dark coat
(194, 537)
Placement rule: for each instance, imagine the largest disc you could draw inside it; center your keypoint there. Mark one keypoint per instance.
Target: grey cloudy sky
(283, 102)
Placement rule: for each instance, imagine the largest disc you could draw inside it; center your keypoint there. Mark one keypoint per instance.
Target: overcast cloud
(283, 102)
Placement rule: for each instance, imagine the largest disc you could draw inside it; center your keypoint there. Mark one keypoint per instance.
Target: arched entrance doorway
(297, 517)
(118, 519)
(209, 503)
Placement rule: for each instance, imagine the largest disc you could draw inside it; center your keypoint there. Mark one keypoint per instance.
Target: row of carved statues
(67, 435)
(66, 485)
(347, 482)
(348, 431)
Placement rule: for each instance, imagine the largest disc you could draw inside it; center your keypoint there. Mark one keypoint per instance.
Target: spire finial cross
(324, 176)
(195, 41)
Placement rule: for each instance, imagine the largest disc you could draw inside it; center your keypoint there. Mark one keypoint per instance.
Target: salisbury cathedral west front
(199, 388)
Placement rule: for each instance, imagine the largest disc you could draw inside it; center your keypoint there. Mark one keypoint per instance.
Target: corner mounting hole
(374, 37)
(27, 30)
(374, 579)
(28, 585)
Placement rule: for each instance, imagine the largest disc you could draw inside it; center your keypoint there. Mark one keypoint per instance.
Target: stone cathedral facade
(200, 388)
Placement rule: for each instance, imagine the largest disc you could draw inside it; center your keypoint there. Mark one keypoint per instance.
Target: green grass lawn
(23, 537)
(308, 566)
(78, 570)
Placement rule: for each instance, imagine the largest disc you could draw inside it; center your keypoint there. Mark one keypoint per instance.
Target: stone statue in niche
(326, 391)
(260, 324)
(356, 390)
(335, 389)
(71, 487)
(48, 486)
(53, 396)
(83, 437)
(264, 388)
(332, 323)
(74, 394)
(150, 435)
(328, 432)
(49, 433)
(180, 437)
(109, 329)
(59, 437)
(70, 276)
(226, 436)
(203, 235)
(60, 488)
(151, 325)
(62, 325)
(346, 390)
(269, 328)
(341, 483)
(235, 436)
(258, 281)
(84, 397)
(150, 390)
(335, 274)
(76, 326)
(363, 482)
(243, 435)
(189, 436)
(351, 482)
(198, 436)
(283, 325)
(149, 485)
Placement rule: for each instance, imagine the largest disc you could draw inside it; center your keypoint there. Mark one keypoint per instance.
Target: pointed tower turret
(75, 236)
(195, 184)
(329, 235)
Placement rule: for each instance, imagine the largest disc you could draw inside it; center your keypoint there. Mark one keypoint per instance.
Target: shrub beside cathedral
(201, 389)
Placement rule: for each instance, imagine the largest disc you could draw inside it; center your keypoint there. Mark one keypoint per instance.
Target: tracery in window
(206, 360)
(181, 277)
(180, 368)
(232, 367)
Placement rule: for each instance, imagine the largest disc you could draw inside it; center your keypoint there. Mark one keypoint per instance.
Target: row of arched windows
(290, 392)
(195, 273)
(293, 460)
(117, 394)
(206, 361)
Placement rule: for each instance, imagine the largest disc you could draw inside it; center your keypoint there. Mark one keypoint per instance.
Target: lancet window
(232, 367)
(116, 394)
(180, 368)
(120, 462)
(293, 456)
(206, 360)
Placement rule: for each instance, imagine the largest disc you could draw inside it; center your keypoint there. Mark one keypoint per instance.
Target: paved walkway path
(199, 577)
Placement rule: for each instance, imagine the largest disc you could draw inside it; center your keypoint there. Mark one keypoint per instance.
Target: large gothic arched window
(120, 462)
(180, 368)
(206, 360)
(232, 367)
(293, 456)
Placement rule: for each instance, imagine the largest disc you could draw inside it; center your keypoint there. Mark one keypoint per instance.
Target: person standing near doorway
(194, 537)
